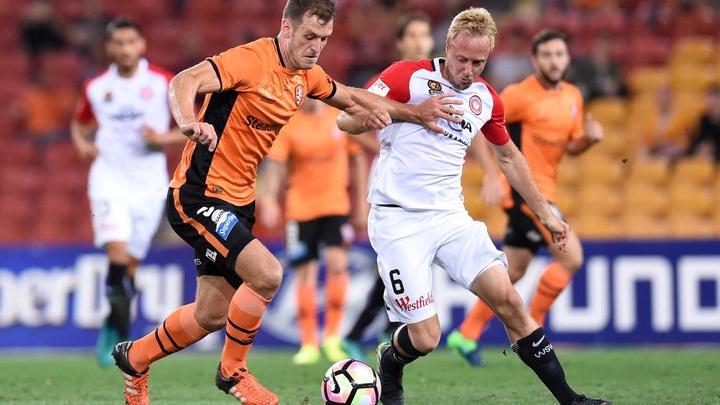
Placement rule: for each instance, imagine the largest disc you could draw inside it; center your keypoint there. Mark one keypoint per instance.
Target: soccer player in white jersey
(417, 215)
(128, 176)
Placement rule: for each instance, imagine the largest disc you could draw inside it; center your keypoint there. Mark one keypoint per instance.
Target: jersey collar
(142, 67)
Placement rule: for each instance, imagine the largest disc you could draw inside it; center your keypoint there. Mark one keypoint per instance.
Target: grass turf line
(626, 376)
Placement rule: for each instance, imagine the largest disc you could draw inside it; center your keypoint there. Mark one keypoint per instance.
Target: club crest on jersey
(146, 93)
(298, 94)
(475, 105)
(435, 87)
(108, 97)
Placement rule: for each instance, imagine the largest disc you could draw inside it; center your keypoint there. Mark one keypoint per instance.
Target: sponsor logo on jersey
(299, 93)
(225, 223)
(127, 114)
(407, 306)
(475, 105)
(255, 123)
(379, 88)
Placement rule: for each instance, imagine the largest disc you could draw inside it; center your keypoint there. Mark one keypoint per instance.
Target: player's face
(125, 47)
(307, 40)
(551, 60)
(467, 56)
(417, 42)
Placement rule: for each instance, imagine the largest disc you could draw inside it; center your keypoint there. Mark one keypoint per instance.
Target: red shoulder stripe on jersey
(164, 72)
(397, 78)
(494, 130)
(83, 110)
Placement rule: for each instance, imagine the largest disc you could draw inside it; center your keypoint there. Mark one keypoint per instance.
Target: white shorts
(409, 242)
(123, 220)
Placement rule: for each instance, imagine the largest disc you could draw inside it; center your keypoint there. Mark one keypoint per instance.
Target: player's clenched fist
(201, 132)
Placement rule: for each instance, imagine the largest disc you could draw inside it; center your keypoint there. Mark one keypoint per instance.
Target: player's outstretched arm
(514, 166)
(182, 90)
(366, 110)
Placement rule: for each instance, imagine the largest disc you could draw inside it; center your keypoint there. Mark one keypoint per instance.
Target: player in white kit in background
(128, 178)
(418, 218)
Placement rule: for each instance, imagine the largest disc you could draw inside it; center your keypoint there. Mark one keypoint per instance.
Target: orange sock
(307, 313)
(474, 323)
(178, 331)
(553, 280)
(335, 286)
(246, 310)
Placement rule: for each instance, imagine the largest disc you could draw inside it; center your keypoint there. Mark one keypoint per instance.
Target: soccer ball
(350, 382)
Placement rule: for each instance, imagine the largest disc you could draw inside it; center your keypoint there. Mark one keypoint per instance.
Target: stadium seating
(595, 226)
(694, 170)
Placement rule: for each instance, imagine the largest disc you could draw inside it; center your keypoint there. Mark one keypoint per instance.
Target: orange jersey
(257, 97)
(317, 156)
(548, 118)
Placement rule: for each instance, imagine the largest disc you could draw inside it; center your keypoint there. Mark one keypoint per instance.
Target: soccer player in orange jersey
(545, 120)
(321, 163)
(251, 90)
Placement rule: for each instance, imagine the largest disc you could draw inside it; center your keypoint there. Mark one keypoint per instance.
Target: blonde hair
(473, 21)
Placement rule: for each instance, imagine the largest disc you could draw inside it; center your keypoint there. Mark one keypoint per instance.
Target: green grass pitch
(627, 376)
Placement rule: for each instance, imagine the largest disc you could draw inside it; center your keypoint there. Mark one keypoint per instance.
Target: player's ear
(286, 28)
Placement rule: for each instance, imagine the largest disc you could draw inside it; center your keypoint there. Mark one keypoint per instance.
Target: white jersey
(121, 106)
(418, 168)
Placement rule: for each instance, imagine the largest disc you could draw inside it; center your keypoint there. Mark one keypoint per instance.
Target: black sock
(120, 292)
(537, 352)
(374, 304)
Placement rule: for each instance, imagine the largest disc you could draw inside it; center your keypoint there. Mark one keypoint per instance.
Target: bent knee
(509, 304)
(426, 340)
(266, 281)
(211, 320)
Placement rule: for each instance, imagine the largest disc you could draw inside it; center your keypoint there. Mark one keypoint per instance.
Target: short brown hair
(406, 19)
(546, 36)
(295, 10)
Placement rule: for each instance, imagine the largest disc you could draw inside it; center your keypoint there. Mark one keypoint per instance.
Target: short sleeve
(513, 103)
(394, 82)
(494, 129)
(578, 130)
(83, 110)
(237, 68)
(322, 86)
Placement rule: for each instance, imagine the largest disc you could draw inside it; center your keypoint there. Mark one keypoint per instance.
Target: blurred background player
(319, 161)
(128, 177)
(413, 41)
(544, 114)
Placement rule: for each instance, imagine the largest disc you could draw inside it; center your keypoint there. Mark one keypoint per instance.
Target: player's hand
(87, 151)
(492, 191)
(559, 229)
(378, 119)
(151, 136)
(440, 106)
(201, 132)
(593, 128)
(270, 214)
(358, 219)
